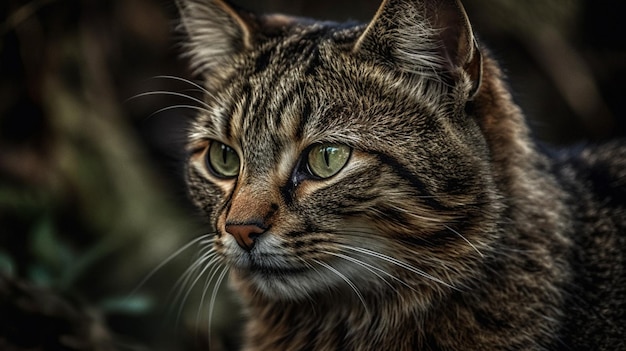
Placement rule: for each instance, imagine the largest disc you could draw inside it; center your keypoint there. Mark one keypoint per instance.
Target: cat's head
(333, 157)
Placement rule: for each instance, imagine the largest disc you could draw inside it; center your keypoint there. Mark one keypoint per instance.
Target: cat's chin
(299, 283)
(278, 284)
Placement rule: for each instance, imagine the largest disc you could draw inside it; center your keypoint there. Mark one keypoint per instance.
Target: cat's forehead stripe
(233, 121)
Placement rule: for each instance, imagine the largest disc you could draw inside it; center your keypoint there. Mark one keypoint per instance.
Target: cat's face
(324, 166)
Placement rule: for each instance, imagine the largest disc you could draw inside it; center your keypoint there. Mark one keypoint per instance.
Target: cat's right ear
(216, 31)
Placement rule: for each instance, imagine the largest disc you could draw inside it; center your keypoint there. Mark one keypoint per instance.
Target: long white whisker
(162, 92)
(398, 263)
(166, 261)
(467, 241)
(203, 89)
(191, 286)
(345, 279)
(214, 269)
(195, 266)
(216, 288)
(307, 294)
(183, 281)
(365, 265)
(178, 106)
(372, 269)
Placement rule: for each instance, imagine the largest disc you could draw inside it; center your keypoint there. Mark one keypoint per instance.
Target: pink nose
(245, 234)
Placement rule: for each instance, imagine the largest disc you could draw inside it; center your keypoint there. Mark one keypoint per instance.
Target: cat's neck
(340, 321)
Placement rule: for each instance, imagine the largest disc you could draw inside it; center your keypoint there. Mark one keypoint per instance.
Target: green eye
(325, 160)
(222, 160)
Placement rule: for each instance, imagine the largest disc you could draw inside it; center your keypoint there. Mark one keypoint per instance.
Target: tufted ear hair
(216, 31)
(425, 37)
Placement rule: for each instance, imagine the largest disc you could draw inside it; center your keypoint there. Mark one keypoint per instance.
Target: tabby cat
(374, 187)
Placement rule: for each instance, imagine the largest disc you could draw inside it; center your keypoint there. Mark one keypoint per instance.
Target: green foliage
(7, 265)
(137, 304)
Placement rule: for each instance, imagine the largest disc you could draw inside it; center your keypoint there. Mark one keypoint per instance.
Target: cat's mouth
(268, 268)
(274, 271)
(263, 261)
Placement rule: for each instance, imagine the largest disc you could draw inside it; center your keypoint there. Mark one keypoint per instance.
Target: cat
(375, 187)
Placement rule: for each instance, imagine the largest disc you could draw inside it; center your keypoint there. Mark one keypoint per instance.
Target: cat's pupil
(224, 154)
(327, 152)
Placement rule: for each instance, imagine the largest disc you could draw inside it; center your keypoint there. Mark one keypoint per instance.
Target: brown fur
(447, 229)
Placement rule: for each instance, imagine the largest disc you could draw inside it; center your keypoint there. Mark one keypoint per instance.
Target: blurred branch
(573, 79)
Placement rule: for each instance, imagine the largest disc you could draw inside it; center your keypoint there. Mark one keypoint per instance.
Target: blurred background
(91, 192)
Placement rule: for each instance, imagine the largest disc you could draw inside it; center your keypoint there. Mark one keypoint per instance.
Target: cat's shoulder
(594, 177)
(598, 168)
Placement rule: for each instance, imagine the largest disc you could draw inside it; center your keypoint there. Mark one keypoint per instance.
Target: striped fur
(446, 230)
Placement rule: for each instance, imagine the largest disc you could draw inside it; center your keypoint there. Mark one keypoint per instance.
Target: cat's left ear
(424, 36)
(216, 29)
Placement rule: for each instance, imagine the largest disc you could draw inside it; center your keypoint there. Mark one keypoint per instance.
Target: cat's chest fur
(374, 187)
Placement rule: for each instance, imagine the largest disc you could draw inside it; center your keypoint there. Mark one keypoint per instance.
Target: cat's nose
(245, 234)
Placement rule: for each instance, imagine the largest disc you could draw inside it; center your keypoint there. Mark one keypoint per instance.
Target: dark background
(91, 198)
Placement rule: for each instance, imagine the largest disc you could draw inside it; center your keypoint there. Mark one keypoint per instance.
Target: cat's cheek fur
(200, 190)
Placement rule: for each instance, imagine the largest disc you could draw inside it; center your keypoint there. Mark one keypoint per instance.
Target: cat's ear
(216, 31)
(425, 37)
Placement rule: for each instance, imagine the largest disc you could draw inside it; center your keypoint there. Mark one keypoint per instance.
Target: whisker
(216, 288)
(193, 284)
(216, 266)
(398, 263)
(467, 241)
(177, 106)
(428, 259)
(199, 262)
(203, 89)
(183, 281)
(365, 265)
(345, 279)
(371, 267)
(207, 247)
(307, 294)
(173, 93)
(166, 261)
